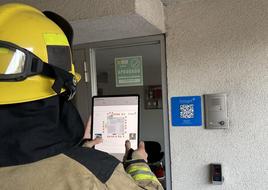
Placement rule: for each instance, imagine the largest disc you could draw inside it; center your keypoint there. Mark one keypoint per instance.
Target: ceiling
(168, 2)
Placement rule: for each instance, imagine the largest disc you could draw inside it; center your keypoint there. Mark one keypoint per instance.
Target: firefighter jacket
(39, 151)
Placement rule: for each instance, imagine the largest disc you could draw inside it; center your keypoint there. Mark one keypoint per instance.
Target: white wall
(220, 46)
(151, 10)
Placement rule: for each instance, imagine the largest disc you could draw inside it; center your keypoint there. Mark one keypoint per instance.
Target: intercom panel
(216, 111)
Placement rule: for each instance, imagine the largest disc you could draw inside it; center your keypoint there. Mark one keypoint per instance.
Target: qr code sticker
(187, 111)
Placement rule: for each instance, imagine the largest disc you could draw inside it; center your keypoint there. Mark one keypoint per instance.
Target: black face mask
(36, 130)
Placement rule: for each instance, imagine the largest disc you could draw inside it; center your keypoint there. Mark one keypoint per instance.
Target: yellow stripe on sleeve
(140, 177)
(136, 168)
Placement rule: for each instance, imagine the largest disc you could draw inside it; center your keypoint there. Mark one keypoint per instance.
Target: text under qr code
(187, 111)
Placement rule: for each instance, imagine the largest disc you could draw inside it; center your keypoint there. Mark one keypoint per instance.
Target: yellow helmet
(35, 55)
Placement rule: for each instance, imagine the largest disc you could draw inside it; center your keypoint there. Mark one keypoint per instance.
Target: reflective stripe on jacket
(142, 174)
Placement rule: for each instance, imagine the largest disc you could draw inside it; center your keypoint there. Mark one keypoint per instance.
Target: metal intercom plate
(216, 111)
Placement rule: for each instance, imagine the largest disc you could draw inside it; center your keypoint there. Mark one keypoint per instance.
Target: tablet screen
(115, 119)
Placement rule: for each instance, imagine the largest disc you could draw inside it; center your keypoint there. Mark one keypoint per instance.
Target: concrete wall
(220, 46)
(152, 11)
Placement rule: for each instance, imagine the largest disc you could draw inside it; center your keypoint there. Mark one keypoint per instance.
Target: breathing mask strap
(63, 79)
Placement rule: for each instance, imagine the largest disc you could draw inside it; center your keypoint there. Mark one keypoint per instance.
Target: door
(102, 75)
(83, 95)
(144, 79)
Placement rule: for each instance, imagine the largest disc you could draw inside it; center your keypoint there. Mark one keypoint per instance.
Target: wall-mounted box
(216, 174)
(216, 111)
(153, 97)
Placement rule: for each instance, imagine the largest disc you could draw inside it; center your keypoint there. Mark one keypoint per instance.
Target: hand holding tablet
(115, 119)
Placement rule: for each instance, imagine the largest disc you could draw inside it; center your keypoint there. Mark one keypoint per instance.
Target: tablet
(115, 119)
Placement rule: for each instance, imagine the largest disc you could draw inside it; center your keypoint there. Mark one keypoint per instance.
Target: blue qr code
(187, 111)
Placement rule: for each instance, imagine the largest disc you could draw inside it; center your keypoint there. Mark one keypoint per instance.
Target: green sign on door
(128, 71)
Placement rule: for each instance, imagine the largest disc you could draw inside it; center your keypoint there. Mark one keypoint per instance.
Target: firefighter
(40, 129)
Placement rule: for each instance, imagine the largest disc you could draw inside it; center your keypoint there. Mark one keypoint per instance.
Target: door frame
(91, 48)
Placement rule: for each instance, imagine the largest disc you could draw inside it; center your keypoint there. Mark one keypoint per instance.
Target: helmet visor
(12, 61)
(17, 63)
